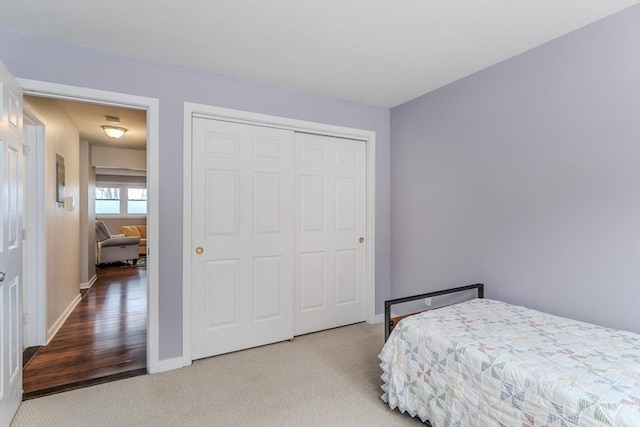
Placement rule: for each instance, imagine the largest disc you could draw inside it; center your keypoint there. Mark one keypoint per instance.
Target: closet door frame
(192, 110)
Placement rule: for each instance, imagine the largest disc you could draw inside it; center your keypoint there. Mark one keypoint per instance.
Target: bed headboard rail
(388, 303)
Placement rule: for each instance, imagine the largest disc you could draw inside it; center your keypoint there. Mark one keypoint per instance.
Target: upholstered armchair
(137, 231)
(115, 248)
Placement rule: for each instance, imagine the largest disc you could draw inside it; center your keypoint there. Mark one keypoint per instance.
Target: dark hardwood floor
(102, 340)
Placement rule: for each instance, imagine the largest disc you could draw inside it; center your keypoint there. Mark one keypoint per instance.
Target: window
(136, 201)
(107, 200)
(121, 199)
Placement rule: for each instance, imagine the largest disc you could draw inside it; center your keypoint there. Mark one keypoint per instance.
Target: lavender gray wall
(35, 57)
(526, 176)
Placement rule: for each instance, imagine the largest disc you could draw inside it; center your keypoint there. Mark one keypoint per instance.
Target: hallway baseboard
(53, 330)
(89, 283)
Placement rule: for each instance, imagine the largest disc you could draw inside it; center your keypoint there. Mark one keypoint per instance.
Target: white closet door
(330, 232)
(242, 223)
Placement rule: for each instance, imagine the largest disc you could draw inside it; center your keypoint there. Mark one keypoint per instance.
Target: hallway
(102, 340)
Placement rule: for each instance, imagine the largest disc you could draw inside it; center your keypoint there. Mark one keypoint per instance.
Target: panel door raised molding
(330, 220)
(242, 218)
(10, 246)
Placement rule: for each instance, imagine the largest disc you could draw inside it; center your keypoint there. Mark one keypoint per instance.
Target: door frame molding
(35, 332)
(152, 107)
(193, 110)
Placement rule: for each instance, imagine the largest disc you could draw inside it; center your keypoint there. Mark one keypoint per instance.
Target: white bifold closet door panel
(330, 232)
(243, 236)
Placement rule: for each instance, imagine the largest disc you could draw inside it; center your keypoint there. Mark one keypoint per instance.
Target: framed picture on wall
(59, 178)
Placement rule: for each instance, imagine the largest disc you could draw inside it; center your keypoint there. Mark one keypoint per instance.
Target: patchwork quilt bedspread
(487, 363)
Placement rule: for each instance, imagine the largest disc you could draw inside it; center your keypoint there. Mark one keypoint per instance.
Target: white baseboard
(378, 318)
(53, 330)
(89, 283)
(170, 364)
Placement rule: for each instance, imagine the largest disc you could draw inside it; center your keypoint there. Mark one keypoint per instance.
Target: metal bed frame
(389, 323)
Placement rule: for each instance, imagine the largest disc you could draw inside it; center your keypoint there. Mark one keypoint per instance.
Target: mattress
(488, 363)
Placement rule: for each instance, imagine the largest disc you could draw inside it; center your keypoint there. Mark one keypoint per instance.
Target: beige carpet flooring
(330, 378)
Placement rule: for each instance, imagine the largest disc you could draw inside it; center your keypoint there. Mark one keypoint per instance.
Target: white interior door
(10, 246)
(242, 235)
(330, 232)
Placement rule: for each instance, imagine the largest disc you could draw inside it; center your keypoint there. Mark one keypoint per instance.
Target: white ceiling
(88, 118)
(382, 52)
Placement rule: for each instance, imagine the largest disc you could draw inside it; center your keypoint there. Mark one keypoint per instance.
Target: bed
(487, 363)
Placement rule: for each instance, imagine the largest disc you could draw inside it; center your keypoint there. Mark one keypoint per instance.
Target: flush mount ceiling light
(114, 131)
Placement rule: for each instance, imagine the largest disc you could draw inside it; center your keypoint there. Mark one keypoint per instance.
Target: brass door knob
(199, 250)
(361, 240)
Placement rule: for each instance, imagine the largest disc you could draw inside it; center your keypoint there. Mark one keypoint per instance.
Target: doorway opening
(45, 321)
